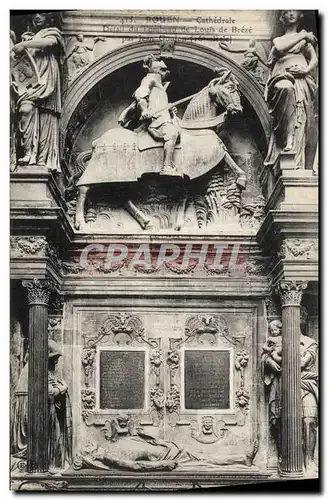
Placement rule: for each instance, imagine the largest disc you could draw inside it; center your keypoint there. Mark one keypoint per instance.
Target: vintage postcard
(164, 249)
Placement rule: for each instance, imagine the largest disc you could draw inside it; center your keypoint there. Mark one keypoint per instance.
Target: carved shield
(24, 72)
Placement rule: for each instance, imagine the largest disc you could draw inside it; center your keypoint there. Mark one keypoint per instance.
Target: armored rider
(151, 102)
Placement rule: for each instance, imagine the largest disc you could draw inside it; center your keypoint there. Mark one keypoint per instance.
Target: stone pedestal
(291, 418)
(38, 292)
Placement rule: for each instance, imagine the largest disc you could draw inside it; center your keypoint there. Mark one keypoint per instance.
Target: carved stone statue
(13, 99)
(271, 369)
(310, 395)
(291, 93)
(122, 155)
(251, 60)
(60, 417)
(152, 102)
(82, 51)
(139, 451)
(39, 103)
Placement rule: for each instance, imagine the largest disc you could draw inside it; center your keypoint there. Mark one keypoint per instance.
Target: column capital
(38, 290)
(291, 292)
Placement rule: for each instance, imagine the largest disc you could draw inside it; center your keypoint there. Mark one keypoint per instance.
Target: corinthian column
(38, 293)
(291, 412)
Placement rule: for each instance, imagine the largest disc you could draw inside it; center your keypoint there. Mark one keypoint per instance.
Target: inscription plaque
(122, 380)
(207, 379)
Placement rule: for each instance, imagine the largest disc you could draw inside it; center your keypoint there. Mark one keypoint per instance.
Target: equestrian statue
(152, 140)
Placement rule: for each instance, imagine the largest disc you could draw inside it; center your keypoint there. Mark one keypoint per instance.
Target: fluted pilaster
(291, 415)
(38, 293)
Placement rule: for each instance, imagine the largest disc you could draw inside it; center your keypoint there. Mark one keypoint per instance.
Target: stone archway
(134, 52)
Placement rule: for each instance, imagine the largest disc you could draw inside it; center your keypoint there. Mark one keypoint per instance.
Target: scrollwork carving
(207, 329)
(123, 328)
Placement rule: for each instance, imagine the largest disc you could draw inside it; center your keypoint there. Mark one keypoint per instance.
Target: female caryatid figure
(39, 106)
(291, 93)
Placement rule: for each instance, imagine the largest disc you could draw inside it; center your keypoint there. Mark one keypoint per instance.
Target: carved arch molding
(134, 52)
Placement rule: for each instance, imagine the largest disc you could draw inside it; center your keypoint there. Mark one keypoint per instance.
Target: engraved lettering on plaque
(122, 380)
(207, 379)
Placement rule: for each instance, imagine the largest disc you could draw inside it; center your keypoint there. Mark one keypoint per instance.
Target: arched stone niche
(96, 98)
(86, 92)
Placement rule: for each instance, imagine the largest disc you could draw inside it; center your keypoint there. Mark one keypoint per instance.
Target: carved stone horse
(121, 155)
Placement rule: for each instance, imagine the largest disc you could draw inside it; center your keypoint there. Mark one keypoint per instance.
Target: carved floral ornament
(299, 249)
(38, 290)
(27, 245)
(291, 292)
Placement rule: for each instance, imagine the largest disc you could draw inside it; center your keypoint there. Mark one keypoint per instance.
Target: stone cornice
(166, 287)
(288, 181)
(292, 223)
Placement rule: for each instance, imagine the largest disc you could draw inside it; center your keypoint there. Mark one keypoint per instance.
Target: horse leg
(137, 214)
(180, 218)
(80, 202)
(239, 172)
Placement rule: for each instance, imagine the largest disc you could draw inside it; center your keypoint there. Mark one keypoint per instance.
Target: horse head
(224, 91)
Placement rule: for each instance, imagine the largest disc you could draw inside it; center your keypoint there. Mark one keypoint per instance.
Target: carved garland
(297, 248)
(28, 245)
(172, 402)
(242, 395)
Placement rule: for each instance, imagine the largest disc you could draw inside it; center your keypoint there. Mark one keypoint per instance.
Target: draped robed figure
(59, 414)
(39, 106)
(291, 93)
